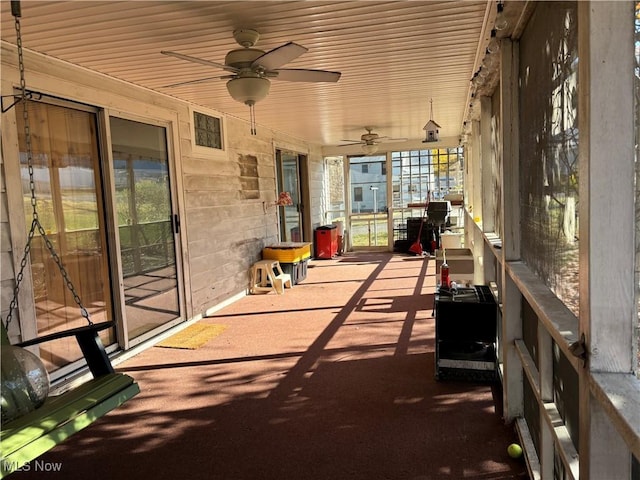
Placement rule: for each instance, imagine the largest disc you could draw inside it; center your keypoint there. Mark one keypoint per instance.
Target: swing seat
(29, 436)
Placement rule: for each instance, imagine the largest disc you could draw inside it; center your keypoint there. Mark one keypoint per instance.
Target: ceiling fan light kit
(248, 90)
(251, 69)
(370, 141)
(369, 148)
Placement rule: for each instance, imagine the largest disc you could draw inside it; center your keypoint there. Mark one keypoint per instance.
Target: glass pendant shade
(25, 382)
(248, 90)
(494, 43)
(501, 23)
(501, 20)
(489, 63)
(369, 148)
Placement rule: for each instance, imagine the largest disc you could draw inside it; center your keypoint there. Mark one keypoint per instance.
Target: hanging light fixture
(494, 45)
(369, 148)
(249, 85)
(489, 62)
(249, 89)
(501, 20)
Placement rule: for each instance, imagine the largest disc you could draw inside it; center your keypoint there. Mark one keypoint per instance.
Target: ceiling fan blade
(391, 140)
(200, 60)
(304, 75)
(279, 56)
(351, 142)
(193, 82)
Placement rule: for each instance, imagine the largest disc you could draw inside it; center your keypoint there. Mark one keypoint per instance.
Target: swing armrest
(89, 342)
(95, 327)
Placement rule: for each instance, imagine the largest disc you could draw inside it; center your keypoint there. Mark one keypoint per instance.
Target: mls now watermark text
(35, 466)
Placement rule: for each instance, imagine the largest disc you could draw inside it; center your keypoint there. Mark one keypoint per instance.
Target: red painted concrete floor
(332, 380)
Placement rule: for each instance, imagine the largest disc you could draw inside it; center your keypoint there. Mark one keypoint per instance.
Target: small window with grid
(207, 131)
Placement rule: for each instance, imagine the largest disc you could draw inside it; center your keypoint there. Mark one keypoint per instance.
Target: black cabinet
(466, 323)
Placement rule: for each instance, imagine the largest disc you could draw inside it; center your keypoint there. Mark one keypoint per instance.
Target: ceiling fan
(370, 141)
(251, 69)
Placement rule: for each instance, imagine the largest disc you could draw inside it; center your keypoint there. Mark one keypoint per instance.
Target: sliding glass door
(146, 226)
(121, 261)
(68, 187)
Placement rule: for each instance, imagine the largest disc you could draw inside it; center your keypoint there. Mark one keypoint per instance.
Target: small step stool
(267, 276)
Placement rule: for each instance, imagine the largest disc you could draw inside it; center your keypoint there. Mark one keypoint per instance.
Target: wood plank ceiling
(394, 56)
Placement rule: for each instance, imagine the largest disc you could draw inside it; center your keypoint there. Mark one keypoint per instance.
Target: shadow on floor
(331, 381)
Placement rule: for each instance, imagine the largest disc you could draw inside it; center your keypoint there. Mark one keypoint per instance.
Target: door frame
(349, 204)
(303, 186)
(113, 239)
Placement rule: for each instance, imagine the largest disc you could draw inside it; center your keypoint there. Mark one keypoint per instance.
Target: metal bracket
(18, 98)
(579, 349)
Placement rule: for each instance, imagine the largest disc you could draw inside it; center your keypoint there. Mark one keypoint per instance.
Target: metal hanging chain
(35, 223)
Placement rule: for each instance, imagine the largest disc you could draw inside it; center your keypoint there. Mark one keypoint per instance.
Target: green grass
(362, 237)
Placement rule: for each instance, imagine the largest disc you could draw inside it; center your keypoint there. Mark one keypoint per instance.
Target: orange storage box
(287, 252)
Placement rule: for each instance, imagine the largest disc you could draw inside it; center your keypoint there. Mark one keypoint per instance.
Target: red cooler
(326, 240)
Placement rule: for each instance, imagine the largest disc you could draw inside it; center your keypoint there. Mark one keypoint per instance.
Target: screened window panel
(549, 148)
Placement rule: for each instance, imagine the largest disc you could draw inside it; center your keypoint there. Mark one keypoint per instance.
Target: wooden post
(510, 211)
(607, 221)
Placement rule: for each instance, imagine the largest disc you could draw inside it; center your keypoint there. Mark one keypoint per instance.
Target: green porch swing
(32, 421)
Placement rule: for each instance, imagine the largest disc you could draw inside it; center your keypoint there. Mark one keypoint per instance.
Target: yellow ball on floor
(514, 450)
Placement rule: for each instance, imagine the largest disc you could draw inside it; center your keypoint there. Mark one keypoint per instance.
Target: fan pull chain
(252, 118)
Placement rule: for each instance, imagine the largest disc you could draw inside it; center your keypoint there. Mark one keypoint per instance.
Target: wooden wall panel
(223, 228)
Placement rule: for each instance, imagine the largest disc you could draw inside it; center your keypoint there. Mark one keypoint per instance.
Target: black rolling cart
(466, 323)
